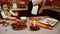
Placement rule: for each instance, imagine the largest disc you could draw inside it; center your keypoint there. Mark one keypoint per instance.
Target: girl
(6, 12)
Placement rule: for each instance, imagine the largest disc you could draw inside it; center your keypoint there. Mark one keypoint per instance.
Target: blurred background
(52, 7)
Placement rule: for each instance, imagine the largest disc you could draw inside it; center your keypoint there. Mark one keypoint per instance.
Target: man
(35, 3)
(39, 2)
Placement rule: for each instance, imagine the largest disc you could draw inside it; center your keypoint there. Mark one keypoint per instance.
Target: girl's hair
(3, 3)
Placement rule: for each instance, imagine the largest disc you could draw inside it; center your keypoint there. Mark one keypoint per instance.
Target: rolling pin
(42, 26)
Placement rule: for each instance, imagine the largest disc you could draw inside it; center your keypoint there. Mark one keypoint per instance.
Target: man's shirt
(42, 1)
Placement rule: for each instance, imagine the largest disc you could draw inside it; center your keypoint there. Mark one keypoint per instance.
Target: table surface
(55, 30)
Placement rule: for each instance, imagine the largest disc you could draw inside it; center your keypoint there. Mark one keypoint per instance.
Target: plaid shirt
(42, 1)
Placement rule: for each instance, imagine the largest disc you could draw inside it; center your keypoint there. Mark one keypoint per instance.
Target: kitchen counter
(8, 30)
(54, 8)
(18, 9)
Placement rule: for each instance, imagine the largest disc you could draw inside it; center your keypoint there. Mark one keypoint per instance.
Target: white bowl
(23, 18)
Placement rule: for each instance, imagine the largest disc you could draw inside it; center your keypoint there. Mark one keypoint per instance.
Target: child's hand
(12, 18)
(16, 14)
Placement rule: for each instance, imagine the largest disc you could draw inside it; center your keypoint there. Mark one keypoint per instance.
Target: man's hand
(40, 11)
(37, 2)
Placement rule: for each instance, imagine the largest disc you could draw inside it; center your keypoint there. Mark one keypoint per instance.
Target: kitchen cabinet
(3, 1)
(53, 2)
(56, 2)
(0, 1)
(20, 3)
